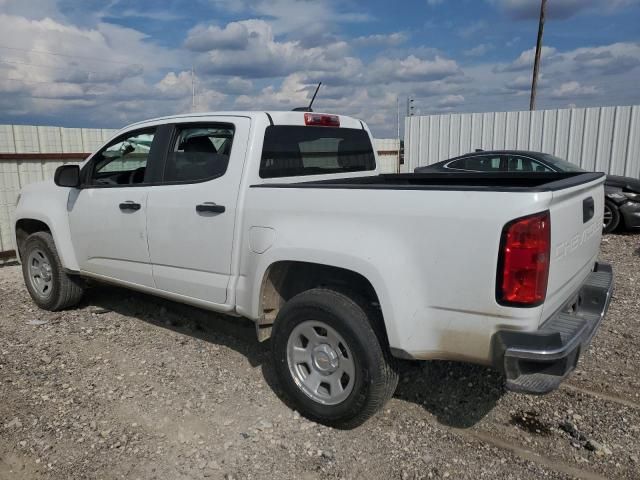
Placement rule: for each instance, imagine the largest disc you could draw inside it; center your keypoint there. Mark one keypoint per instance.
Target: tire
(612, 217)
(352, 332)
(49, 286)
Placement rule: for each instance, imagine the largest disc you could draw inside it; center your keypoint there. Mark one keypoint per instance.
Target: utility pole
(536, 63)
(398, 118)
(193, 88)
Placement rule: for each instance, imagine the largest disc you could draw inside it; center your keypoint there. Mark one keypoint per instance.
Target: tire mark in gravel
(524, 453)
(530, 455)
(601, 396)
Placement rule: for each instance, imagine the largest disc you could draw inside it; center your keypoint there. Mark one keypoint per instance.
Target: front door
(191, 215)
(108, 215)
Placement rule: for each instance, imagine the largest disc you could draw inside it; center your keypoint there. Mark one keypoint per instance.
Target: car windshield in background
(561, 164)
(290, 151)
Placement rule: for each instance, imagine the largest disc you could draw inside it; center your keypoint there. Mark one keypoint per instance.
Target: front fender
(47, 203)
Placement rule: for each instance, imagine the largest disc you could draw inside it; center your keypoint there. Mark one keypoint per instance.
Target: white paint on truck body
(431, 255)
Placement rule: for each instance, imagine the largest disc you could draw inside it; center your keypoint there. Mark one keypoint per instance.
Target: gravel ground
(131, 386)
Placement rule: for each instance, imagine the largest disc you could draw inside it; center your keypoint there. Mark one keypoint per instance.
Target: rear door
(192, 212)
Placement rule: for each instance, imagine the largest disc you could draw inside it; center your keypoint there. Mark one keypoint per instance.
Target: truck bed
(492, 182)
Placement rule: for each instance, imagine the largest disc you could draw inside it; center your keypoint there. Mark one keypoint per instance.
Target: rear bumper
(537, 362)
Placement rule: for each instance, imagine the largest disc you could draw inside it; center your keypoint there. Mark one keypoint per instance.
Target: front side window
(199, 153)
(477, 164)
(124, 161)
(290, 151)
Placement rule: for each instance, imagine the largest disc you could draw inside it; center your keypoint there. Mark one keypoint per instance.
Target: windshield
(561, 164)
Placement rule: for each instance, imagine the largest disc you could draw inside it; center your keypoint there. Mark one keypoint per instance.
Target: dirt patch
(530, 422)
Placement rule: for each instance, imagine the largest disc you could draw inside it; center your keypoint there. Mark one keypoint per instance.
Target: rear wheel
(611, 217)
(331, 362)
(48, 284)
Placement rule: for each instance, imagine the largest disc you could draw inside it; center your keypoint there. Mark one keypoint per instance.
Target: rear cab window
(291, 151)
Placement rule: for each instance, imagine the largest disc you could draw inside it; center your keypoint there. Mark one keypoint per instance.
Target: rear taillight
(523, 262)
(321, 120)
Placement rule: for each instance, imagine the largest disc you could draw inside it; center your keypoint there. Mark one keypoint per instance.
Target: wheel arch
(283, 279)
(25, 227)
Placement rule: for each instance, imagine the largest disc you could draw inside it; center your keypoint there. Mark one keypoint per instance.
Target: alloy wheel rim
(608, 216)
(320, 362)
(40, 273)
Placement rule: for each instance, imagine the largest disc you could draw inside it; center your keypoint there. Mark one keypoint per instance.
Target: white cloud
(609, 59)
(573, 89)
(96, 73)
(266, 57)
(479, 50)
(238, 85)
(108, 75)
(391, 39)
(526, 58)
(473, 29)
(413, 68)
(234, 36)
(300, 17)
(521, 84)
(450, 101)
(160, 15)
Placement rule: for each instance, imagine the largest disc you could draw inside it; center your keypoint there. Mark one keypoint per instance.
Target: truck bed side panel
(430, 255)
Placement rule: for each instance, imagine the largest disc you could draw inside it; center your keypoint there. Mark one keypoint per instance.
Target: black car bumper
(537, 362)
(630, 212)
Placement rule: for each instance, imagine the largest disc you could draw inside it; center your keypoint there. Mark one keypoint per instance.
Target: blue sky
(109, 63)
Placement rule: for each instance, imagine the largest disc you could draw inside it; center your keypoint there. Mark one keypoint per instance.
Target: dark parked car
(622, 194)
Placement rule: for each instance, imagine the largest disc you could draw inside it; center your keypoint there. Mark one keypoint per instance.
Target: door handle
(129, 205)
(210, 207)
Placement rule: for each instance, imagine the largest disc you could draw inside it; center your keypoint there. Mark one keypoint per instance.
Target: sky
(92, 63)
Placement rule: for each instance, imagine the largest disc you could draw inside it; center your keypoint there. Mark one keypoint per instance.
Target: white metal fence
(387, 149)
(605, 139)
(32, 153)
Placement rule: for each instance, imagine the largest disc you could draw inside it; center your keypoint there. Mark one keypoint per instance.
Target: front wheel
(331, 362)
(611, 217)
(50, 287)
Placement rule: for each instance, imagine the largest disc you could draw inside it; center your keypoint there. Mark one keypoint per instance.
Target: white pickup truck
(283, 218)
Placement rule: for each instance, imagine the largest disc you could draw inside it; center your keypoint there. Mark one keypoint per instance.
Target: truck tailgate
(576, 231)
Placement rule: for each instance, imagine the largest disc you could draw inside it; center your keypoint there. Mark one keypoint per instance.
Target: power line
(46, 52)
(27, 64)
(26, 81)
(100, 60)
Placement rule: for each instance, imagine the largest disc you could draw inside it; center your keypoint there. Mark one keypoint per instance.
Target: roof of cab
(275, 116)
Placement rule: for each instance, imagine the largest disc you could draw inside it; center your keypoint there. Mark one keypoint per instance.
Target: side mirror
(67, 176)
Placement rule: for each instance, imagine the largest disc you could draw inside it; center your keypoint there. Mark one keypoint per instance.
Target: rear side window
(291, 151)
(199, 153)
